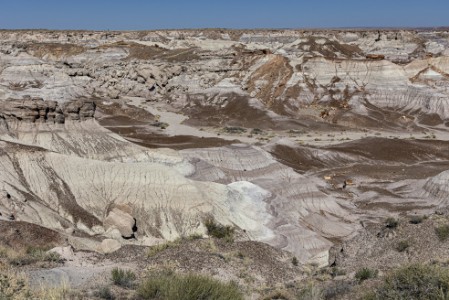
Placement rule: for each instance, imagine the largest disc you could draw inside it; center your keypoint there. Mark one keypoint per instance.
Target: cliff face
(263, 119)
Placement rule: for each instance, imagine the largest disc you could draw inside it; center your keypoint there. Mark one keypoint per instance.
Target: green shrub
(442, 232)
(295, 261)
(391, 223)
(414, 282)
(123, 278)
(402, 246)
(171, 286)
(416, 219)
(219, 231)
(365, 273)
(105, 293)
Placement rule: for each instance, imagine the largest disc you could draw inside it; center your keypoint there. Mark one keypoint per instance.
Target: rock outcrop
(37, 110)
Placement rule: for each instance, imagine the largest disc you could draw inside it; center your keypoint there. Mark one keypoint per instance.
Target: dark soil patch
(395, 150)
(20, 235)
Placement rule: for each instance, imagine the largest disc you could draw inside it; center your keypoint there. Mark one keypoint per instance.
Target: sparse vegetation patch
(414, 282)
(219, 231)
(172, 286)
(442, 232)
(391, 223)
(123, 278)
(365, 273)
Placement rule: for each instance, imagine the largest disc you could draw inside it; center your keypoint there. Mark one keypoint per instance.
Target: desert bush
(442, 232)
(219, 231)
(414, 282)
(170, 286)
(63, 291)
(365, 273)
(105, 293)
(402, 245)
(295, 261)
(13, 286)
(391, 223)
(416, 219)
(123, 278)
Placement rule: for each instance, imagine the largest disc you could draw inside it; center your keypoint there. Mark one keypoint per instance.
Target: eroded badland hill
(312, 154)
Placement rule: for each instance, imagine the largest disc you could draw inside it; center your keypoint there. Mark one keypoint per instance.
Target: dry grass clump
(365, 273)
(171, 286)
(414, 282)
(28, 256)
(123, 278)
(63, 291)
(13, 285)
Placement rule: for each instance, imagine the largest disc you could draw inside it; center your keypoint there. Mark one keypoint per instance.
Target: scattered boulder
(109, 246)
(120, 217)
(66, 253)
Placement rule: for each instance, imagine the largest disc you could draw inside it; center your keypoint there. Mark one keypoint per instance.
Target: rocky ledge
(34, 109)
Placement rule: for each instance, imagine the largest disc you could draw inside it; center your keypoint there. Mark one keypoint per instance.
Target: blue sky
(169, 14)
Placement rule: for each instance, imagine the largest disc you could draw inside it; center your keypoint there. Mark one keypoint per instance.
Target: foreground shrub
(442, 232)
(63, 291)
(123, 278)
(13, 286)
(105, 293)
(391, 223)
(219, 231)
(414, 282)
(365, 273)
(416, 219)
(171, 286)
